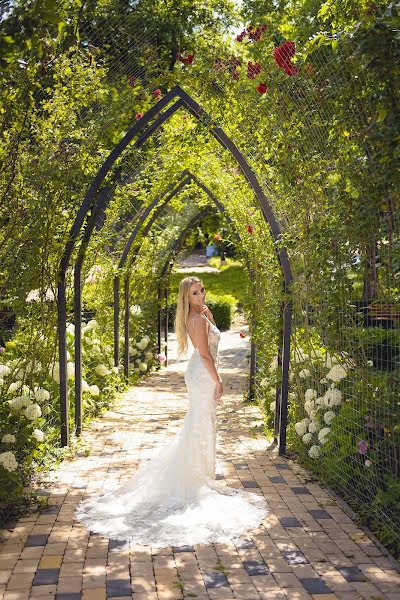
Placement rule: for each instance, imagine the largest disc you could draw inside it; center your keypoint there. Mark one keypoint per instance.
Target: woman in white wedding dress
(173, 499)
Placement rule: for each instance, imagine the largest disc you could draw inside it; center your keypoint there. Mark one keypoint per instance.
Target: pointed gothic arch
(94, 199)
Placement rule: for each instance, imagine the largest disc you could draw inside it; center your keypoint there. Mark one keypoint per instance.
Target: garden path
(308, 547)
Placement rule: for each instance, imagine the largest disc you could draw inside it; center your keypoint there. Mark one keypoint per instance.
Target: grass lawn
(229, 280)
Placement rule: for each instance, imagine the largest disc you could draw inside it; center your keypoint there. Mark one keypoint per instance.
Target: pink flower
(362, 446)
(161, 357)
(138, 116)
(156, 93)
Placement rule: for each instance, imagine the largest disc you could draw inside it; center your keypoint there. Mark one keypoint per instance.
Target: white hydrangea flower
(336, 373)
(8, 461)
(313, 427)
(163, 344)
(307, 437)
(272, 406)
(46, 410)
(71, 329)
(148, 355)
(4, 370)
(101, 370)
(310, 394)
(85, 386)
(312, 414)
(274, 364)
(55, 372)
(25, 390)
(323, 380)
(1, 382)
(107, 349)
(8, 438)
(32, 412)
(313, 452)
(332, 397)
(329, 416)
(135, 310)
(370, 363)
(304, 373)
(322, 435)
(132, 351)
(14, 386)
(319, 402)
(309, 406)
(301, 426)
(92, 325)
(111, 361)
(94, 390)
(115, 370)
(38, 435)
(70, 370)
(137, 361)
(142, 366)
(41, 395)
(19, 402)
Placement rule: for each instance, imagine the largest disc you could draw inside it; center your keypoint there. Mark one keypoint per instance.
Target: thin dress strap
(199, 315)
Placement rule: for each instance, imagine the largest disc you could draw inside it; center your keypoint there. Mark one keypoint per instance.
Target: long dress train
(173, 499)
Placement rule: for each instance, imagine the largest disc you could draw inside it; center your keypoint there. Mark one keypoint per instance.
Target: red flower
(283, 55)
(186, 60)
(235, 74)
(156, 93)
(217, 237)
(262, 88)
(138, 116)
(255, 35)
(263, 28)
(132, 80)
(242, 334)
(253, 69)
(239, 38)
(249, 229)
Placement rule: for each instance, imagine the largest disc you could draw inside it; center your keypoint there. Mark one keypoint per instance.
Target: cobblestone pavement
(307, 547)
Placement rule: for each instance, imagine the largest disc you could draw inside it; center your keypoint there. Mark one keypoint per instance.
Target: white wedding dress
(173, 499)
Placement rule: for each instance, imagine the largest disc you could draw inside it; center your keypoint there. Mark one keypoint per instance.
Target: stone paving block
(290, 522)
(301, 491)
(182, 549)
(118, 587)
(244, 543)
(214, 579)
(250, 484)
(36, 540)
(256, 567)
(352, 574)
(294, 557)
(320, 514)
(68, 596)
(277, 479)
(315, 586)
(46, 577)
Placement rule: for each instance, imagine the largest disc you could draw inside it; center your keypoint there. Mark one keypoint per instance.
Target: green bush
(222, 307)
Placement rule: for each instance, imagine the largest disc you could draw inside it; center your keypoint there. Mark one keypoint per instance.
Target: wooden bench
(384, 312)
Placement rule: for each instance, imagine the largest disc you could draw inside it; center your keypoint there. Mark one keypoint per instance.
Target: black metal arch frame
(94, 201)
(158, 204)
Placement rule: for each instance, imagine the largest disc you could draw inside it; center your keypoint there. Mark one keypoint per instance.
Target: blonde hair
(182, 313)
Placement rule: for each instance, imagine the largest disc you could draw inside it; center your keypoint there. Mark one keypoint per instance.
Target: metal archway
(91, 201)
(186, 178)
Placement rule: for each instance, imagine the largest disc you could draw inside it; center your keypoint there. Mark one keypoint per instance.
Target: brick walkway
(307, 547)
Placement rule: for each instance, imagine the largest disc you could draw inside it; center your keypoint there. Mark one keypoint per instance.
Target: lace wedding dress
(173, 499)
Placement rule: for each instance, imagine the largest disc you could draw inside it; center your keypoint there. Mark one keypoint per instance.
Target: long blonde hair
(182, 313)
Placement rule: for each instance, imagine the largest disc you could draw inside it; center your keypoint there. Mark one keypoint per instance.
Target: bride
(173, 499)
